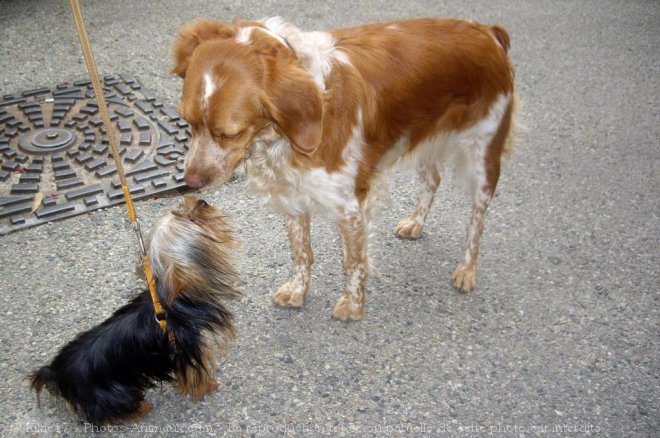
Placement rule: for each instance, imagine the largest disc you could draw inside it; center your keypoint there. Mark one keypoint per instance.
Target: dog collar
(279, 38)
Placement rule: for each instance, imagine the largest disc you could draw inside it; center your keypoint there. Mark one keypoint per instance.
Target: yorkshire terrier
(103, 373)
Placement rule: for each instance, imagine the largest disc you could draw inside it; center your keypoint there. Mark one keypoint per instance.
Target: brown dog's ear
(194, 34)
(295, 105)
(268, 43)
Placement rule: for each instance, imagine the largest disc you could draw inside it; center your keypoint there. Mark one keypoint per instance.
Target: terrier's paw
(408, 229)
(287, 296)
(143, 410)
(211, 387)
(197, 388)
(465, 277)
(346, 309)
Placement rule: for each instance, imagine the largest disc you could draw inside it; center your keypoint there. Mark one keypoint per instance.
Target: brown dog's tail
(502, 36)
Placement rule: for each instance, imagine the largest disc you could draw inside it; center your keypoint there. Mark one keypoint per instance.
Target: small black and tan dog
(103, 373)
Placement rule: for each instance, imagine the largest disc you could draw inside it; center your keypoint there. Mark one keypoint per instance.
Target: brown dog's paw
(286, 296)
(465, 278)
(346, 310)
(408, 229)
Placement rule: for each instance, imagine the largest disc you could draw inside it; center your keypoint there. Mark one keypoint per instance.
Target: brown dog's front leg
(293, 292)
(353, 232)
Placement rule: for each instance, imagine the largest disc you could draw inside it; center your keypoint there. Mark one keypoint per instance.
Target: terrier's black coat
(104, 372)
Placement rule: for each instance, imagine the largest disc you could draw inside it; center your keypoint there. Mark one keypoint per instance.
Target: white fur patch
(316, 50)
(466, 149)
(209, 88)
(472, 145)
(294, 191)
(244, 35)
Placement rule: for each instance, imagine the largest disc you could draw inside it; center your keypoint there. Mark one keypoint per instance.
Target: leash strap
(161, 315)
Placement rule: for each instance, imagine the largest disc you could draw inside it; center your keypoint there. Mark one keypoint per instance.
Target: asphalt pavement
(562, 335)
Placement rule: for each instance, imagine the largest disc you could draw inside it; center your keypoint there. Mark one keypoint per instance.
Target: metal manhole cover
(55, 155)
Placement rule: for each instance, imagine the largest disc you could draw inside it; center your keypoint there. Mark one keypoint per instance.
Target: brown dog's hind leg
(411, 227)
(484, 175)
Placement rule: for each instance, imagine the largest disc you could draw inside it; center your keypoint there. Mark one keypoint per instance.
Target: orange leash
(161, 315)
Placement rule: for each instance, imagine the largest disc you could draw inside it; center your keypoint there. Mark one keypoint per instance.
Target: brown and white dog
(318, 116)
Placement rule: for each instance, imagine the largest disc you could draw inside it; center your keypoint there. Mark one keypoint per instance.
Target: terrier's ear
(294, 104)
(192, 36)
(200, 210)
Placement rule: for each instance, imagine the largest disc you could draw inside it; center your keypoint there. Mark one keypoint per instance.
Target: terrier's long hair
(104, 372)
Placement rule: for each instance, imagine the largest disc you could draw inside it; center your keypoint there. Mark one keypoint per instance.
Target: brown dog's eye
(222, 136)
(202, 203)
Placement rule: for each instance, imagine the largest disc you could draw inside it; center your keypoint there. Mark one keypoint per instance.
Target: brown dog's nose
(195, 180)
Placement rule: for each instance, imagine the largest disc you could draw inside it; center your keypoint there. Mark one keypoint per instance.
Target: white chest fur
(292, 190)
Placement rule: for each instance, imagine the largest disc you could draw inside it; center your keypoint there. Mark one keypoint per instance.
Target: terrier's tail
(44, 377)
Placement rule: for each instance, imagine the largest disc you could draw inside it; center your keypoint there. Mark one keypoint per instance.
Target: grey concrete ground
(560, 338)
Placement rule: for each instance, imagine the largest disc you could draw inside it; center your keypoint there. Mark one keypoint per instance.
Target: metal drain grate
(55, 159)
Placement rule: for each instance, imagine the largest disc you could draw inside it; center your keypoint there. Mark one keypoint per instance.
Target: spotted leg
(411, 227)
(293, 292)
(484, 176)
(353, 232)
(465, 275)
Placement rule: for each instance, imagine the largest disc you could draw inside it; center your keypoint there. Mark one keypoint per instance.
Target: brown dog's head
(242, 84)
